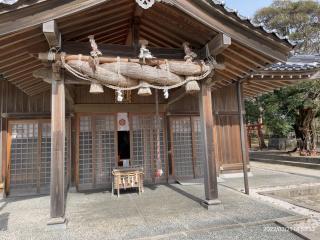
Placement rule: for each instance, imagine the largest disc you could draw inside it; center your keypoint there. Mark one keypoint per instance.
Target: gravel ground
(161, 212)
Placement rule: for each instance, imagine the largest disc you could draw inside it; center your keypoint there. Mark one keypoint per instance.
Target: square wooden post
(210, 173)
(57, 185)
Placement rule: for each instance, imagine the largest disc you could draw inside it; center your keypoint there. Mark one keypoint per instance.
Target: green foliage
(299, 20)
(281, 108)
(252, 111)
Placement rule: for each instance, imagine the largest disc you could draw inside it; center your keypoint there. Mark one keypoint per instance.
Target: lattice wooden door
(144, 148)
(29, 157)
(97, 151)
(186, 147)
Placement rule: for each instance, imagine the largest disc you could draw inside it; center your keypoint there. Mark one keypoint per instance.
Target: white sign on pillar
(123, 122)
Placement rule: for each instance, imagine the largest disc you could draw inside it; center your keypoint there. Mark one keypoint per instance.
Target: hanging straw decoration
(144, 51)
(144, 90)
(192, 87)
(96, 88)
(166, 93)
(119, 95)
(128, 74)
(159, 171)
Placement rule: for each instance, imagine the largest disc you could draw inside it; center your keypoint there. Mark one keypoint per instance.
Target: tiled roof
(9, 2)
(297, 63)
(248, 20)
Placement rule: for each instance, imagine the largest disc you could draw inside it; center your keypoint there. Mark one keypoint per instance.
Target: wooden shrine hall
(89, 86)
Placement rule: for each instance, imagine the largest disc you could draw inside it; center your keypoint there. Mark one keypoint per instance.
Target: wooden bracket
(218, 44)
(52, 34)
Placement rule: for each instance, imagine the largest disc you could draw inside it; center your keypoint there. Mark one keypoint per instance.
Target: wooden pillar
(3, 137)
(57, 187)
(210, 173)
(242, 138)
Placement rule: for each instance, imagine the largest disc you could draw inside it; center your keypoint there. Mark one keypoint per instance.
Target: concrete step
(290, 163)
(302, 159)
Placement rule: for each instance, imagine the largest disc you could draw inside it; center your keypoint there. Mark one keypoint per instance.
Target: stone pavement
(161, 212)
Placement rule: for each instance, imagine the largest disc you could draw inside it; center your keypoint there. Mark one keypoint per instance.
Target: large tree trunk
(262, 143)
(305, 131)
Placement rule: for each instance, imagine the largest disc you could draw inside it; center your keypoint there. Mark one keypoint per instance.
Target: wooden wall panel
(227, 129)
(225, 99)
(15, 102)
(188, 104)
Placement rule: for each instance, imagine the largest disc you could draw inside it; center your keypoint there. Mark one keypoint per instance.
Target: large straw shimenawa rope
(124, 74)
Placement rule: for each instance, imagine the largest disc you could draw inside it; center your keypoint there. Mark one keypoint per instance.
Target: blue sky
(247, 7)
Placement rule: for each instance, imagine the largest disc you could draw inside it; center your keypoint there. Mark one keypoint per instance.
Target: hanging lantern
(96, 88)
(192, 87)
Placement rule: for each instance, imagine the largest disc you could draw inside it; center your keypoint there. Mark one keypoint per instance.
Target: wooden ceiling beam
(163, 32)
(31, 47)
(15, 41)
(22, 71)
(116, 37)
(252, 86)
(16, 61)
(11, 58)
(75, 22)
(21, 80)
(251, 91)
(102, 22)
(175, 27)
(161, 38)
(64, 8)
(240, 70)
(233, 59)
(114, 34)
(118, 42)
(153, 42)
(81, 36)
(7, 71)
(248, 59)
(270, 84)
(33, 42)
(40, 91)
(28, 83)
(226, 75)
(20, 76)
(254, 54)
(279, 78)
(233, 72)
(34, 86)
(281, 83)
(107, 32)
(260, 88)
(25, 81)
